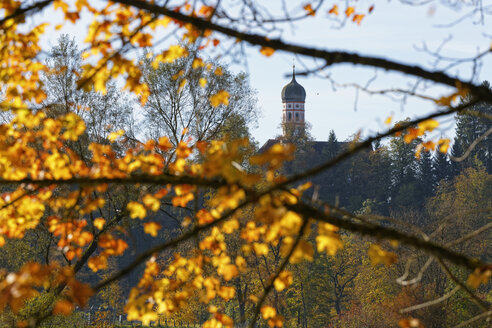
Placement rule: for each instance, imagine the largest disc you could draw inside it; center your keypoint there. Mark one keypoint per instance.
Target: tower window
(297, 116)
(289, 106)
(289, 116)
(297, 105)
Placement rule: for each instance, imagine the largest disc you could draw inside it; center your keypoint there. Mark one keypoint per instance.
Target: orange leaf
(267, 51)
(358, 18)
(63, 307)
(479, 276)
(333, 10)
(309, 9)
(349, 11)
(164, 144)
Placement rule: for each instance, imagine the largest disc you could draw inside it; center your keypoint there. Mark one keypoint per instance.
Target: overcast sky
(392, 30)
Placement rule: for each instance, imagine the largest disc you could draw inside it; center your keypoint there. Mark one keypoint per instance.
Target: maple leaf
(152, 228)
(99, 223)
(358, 18)
(283, 281)
(260, 249)
(334, 10)
(309, 9)
(349, 11)
(228, 271)
(97, 263)
(268, 312)
(137, 210)
(164, 144)
(183, 151)
(151, 202)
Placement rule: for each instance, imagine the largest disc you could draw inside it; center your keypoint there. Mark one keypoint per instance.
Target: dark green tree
(469, 127)
(441, 167)
(425, 176)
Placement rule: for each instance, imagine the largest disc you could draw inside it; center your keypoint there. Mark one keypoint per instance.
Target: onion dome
(293, 91)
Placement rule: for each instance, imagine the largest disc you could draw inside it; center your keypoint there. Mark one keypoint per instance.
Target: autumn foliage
(234, 210)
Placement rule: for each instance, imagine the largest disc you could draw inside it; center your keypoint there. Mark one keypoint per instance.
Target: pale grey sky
(392, 30)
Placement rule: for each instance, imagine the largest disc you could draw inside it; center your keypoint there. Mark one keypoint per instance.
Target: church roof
(293, 91)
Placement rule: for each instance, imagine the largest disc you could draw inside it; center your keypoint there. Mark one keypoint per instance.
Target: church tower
(293, 98)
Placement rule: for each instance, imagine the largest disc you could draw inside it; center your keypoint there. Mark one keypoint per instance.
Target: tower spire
(294, 68)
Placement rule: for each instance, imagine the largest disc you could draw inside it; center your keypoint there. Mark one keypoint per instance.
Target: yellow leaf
(99, 223)
(202, 82)
(230, 226)
(260, 249)
(267, 51)
(74, 126)
(444, 145)
(218, 71)
(479, 276)
(329, 244)
(228, 271)
(152, 228)
(428, 125)
(96, 263)
(115, 135)
(151, 202)
(222, 97)
(268, 312)
(197, 62)
(291, 222)
(388, 120)
(174, 52)
(137, 210)
(182, 84)
(380, 256)
(283, 281)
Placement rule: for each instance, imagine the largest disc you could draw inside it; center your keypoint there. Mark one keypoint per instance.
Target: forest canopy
(172, 215)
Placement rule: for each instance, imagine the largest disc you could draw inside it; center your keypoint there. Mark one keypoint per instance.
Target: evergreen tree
(404, 188)
(441, 167)
(425, 176)
(333, 145)
(470, 127)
